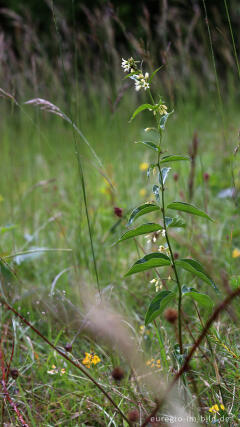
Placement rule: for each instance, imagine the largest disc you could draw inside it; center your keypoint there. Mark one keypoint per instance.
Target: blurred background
(46, 46)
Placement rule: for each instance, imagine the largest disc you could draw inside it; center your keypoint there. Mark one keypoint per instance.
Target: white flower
(163, 233)
(125, 65)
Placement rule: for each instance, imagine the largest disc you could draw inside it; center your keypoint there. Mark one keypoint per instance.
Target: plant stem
(171, 252)
(166, 235)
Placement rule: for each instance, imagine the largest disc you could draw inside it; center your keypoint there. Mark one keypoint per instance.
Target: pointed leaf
(186, 207)
(202, 299)
(176, 222)
(173, 158)
(158, 304)
(154, 73)
(142, 210)
(140, 109)
(149, 144)
(165, 172)
(149, 261)
(196, 268)
(142, 229)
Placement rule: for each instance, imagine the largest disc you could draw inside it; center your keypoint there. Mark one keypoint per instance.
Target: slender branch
(172, 257)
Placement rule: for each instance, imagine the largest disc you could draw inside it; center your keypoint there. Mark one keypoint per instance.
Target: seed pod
(133, 415)
(14, 373)
(68, 347)
(171, 315)
(117, 373)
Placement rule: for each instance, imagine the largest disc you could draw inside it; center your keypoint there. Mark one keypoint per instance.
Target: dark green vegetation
(47, 268)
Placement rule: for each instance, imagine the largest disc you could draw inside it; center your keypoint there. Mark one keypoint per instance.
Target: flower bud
(14, 373)
(68, 347)
(206, 177)
(133, 415)
(118, 212)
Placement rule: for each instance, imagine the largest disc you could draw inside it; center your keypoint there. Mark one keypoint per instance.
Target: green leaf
(158, 304)
(186, 207)
(149, 261)
(173, 158)
(176, 222)
(202, 299)
(141, 108)
(156, 192)
(165, 172)
(149, 144)
(154, 73)
(164, 119)
(142, 210)
(150, 227)
(196, 268)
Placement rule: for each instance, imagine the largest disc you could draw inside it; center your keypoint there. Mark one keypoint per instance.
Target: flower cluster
(141, 81)
(157, 284)
(161, 109)
(90, 359)
(129, 65)
(216, 408)
(55, 371)
(152, 363)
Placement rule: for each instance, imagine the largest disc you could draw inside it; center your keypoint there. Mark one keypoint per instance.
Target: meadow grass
(42, 203)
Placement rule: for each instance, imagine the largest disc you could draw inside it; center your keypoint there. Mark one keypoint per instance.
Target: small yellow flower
(90, 359)
(215, 408)
(142, 192)
(143, 166)
(154, 363)
(1, 198)
(236, 253)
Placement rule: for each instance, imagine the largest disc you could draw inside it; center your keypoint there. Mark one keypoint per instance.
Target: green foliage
(142, 210)
(158, 305)
(142, 229)
(149, 261)
(186, 207)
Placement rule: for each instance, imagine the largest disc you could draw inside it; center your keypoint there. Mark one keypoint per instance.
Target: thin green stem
(172, 257)
(166, 235)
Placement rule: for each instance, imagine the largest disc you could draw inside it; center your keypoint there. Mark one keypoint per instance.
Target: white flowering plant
(164, 257)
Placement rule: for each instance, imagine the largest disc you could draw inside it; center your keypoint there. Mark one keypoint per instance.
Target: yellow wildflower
(90, 359)
(236, 253)
(142, 192)
(143, 166)
(215, 408)
(154, 363)
(1, 198)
